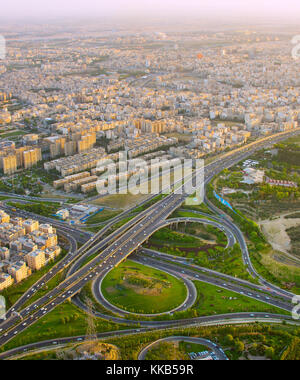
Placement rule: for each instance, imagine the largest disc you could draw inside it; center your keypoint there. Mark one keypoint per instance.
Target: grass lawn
(140, 289)
(45, 209)
(117, 225)
(213, 300)
(188, 214)
(175, 239)
(65, 321)
(94, 229)
(187, 347)
(12, 134)
(166, 351)
(201, 208)
(102, 216)
(283, 274)
(90, 258)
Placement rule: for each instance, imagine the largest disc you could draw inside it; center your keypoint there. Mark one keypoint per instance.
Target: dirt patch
(120, 201)
(103, 351)
(144, 285)
(111, 290)
(90, 351)
(275, 232)
(257, 358)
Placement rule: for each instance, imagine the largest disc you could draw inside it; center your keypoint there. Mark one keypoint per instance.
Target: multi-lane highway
(124, 244)
(109, 258)
(70, 234)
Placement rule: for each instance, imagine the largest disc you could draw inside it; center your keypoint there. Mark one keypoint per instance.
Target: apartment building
(10, 233)
(24, 157)
(36, 260)
(4, 218)
(8, 164)
(6, 281)
(32, 157)
(19, 271)
(31, 225)
(73, 186)
(4, 253)
(69, 179)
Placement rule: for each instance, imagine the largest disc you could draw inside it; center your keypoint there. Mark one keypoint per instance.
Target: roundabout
(138, 289)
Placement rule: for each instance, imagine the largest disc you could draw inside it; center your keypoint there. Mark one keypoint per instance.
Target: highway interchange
(121, 243)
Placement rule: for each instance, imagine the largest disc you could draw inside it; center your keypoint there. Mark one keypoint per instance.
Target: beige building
(86, 143)
(36, 259)
(4, 218)
(6, 281)
(62, 182)
(24, 157)
(70, 148)
(4, 253)
(32, 157)
(9, 164)
(19, 271)
(47, 229)
(31, 225)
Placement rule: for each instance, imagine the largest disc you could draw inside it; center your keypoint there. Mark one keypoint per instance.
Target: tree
(239, 346)
(229, 339)
(270, 352)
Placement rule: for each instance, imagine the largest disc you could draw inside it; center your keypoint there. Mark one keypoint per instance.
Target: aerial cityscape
(150, 183)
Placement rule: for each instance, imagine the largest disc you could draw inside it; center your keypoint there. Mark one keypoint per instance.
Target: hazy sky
(14, 9)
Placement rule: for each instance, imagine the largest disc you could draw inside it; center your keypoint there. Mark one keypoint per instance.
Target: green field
(12, 134)
(44, 209)
(213, 300)
(140, 289)
(188, 347)
(166, 351)
(102, 216)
